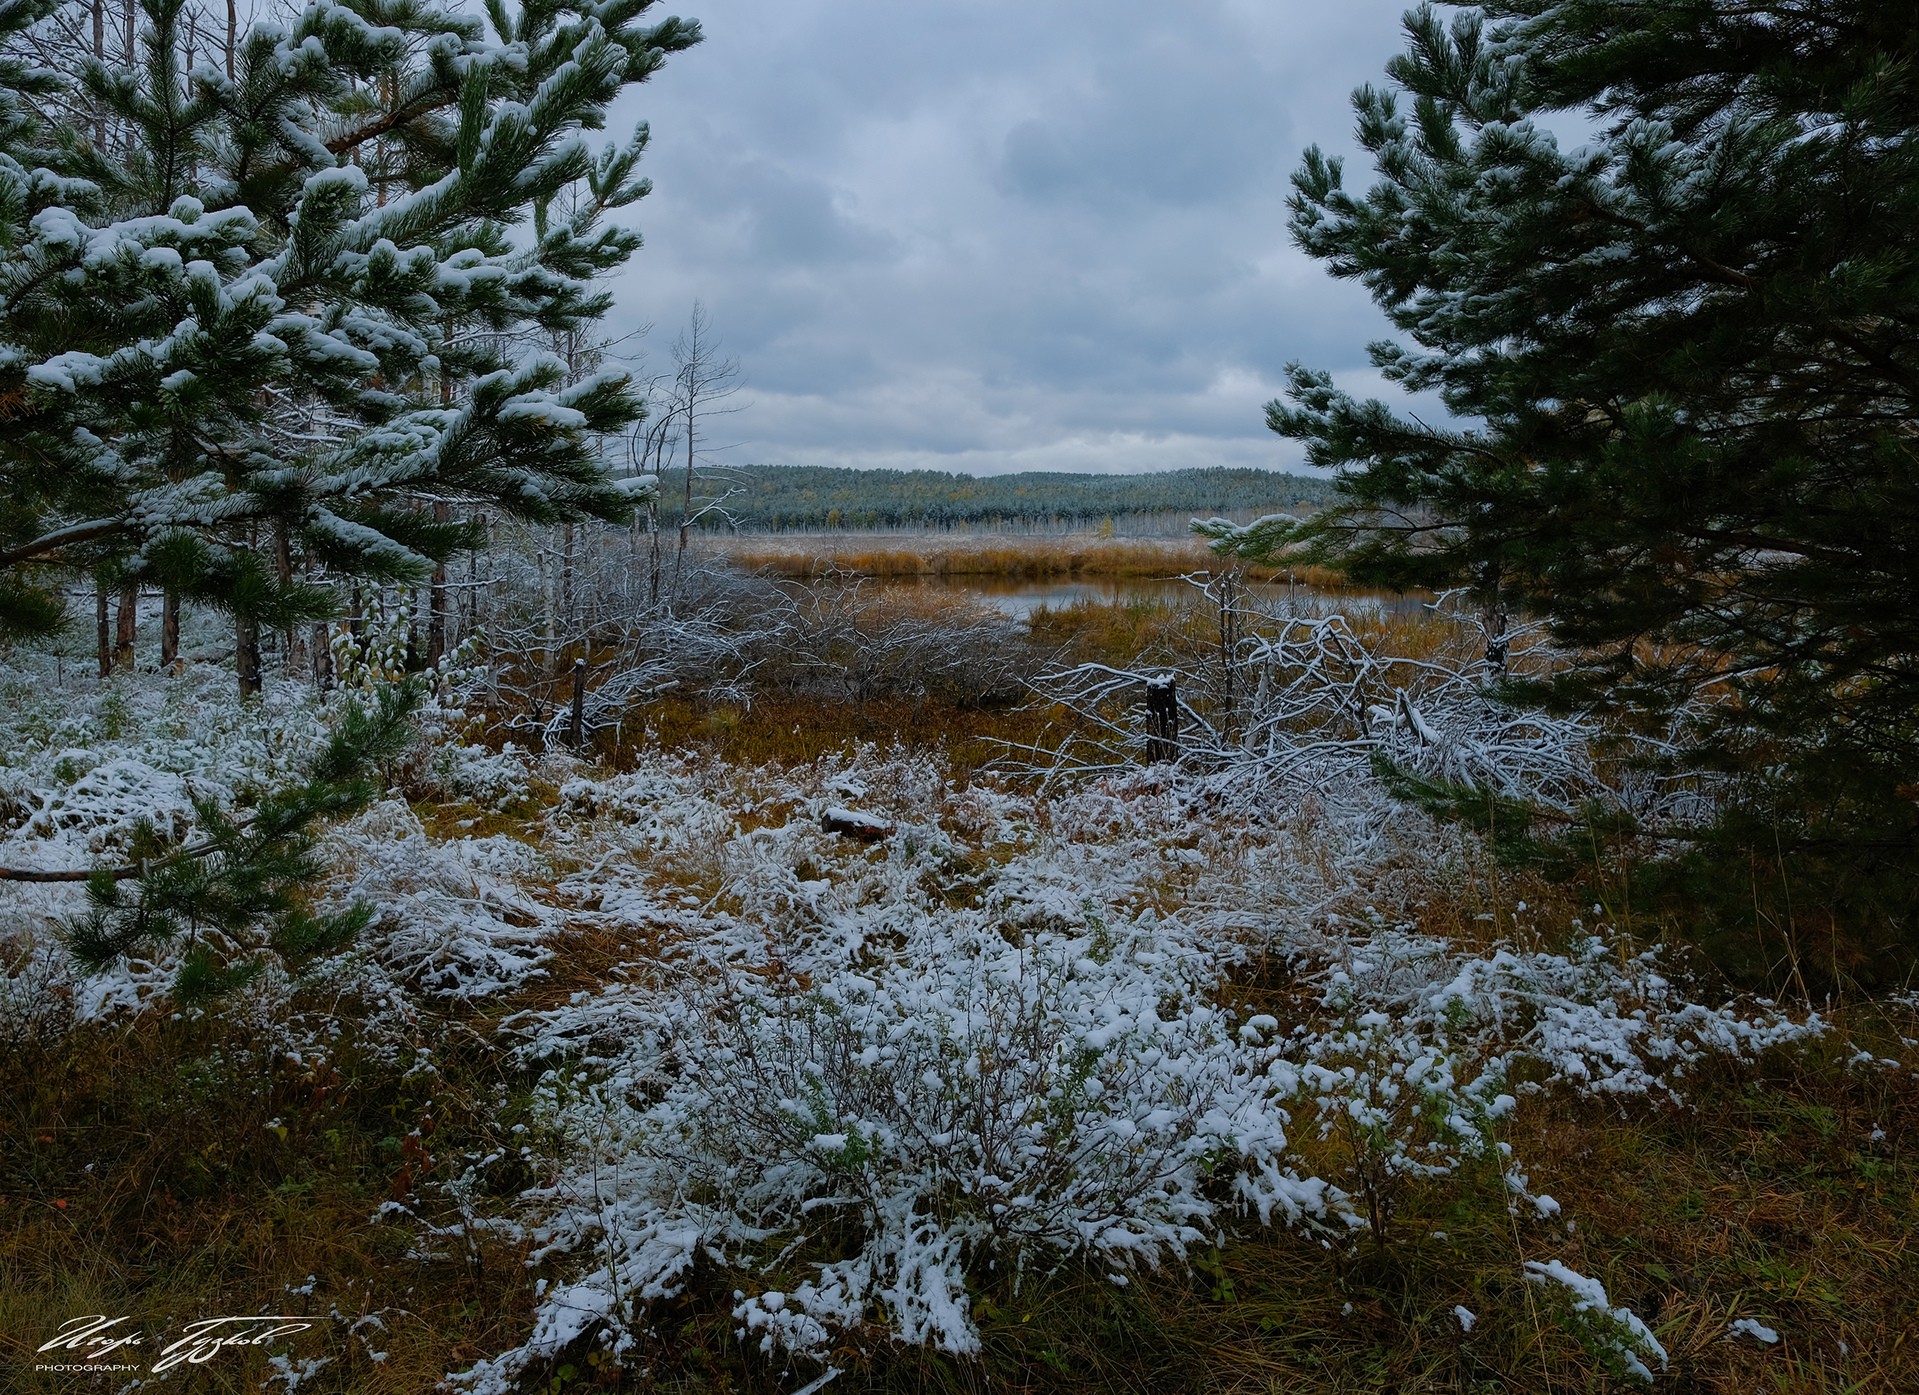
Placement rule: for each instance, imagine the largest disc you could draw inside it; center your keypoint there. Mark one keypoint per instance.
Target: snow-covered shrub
(1594, 1017)
(99, 803)
(1011, 1107)
(451, 920)
(856, 1090)
(1415, 1047)
(1617, 1337)
(379, 651)
(491, 779)
(961, 1101)
(1388, 1092)
(1303, 711)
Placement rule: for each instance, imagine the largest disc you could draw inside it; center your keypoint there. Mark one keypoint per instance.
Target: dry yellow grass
(1029, 559)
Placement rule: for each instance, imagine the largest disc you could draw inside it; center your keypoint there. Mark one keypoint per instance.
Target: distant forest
(781, 498)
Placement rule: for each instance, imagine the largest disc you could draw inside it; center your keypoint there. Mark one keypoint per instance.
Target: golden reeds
(1029, 559)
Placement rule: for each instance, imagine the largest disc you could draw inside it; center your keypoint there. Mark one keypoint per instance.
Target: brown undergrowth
(171, 1170)
(178, 1168)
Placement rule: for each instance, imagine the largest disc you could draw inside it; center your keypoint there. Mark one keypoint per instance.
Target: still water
(1019, 599)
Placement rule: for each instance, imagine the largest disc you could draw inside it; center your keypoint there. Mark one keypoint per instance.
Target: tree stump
(576, 722)
(1162, 719)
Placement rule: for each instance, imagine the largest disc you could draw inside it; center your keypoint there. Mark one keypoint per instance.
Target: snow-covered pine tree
(255, 313)
(1682, 352)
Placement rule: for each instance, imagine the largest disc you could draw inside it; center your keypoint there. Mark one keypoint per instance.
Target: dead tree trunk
(576, 721)
(1162, 719)
(653, 555)
(1231, 632)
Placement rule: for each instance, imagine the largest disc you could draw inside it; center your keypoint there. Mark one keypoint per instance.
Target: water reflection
(1020, 598)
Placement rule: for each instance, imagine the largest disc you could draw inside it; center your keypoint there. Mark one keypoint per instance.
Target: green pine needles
(241, 888)
(1682, 356)
(257, 316)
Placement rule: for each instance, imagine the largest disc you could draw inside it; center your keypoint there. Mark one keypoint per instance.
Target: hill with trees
(801, 497)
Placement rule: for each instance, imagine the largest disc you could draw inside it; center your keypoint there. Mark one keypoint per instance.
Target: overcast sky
(984, 236)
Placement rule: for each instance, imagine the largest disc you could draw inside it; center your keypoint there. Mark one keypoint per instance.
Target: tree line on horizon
(775, 498)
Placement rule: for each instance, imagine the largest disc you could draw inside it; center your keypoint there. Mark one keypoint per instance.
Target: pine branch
(238, 891)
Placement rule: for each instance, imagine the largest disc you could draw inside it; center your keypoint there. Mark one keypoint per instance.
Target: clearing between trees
(895, 995)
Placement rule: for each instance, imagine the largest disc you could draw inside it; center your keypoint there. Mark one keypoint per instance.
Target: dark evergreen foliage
(1683, 357)
(252, 320)
(241, 887)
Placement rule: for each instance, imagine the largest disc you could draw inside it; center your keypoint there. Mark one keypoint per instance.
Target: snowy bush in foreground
(856, 1082)
(866, 1129)
(451, 920)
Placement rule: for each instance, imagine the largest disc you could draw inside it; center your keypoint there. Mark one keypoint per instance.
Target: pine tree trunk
(170, 631)
(436, 637)
(126, 628)
(291, 657)
(322, 658)
(104, 630)
(548, 636)
(246, 654)
(100, 52)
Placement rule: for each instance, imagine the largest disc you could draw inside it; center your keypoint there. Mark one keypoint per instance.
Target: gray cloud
(984, 235)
